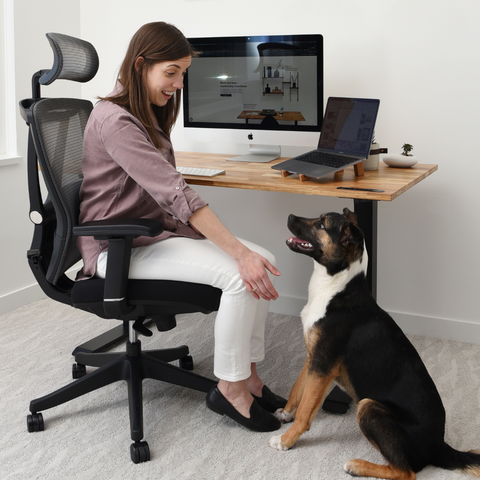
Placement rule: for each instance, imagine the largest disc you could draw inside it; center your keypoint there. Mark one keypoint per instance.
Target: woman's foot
(262, 394)
(257, 419)
(269, 401)
(238, 395)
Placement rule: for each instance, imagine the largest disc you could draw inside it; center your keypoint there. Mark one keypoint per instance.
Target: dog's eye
(321, 225)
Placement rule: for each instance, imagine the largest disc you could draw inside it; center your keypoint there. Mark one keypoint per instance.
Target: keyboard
(200, 172)
(327, 159)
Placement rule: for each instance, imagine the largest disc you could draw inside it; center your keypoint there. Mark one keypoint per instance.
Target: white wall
(419, 58)
(32, 53)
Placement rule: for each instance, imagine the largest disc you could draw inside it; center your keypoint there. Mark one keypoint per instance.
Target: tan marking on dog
(343, 380)
(288, 413)
(315, 388)
(362, 468)
(312, 338)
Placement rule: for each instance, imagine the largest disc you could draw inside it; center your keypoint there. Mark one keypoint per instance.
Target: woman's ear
(138, 64)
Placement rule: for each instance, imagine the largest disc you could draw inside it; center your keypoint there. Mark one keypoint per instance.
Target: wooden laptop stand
(359, 172)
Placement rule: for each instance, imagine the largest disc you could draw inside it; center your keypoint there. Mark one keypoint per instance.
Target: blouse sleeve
(126, 140)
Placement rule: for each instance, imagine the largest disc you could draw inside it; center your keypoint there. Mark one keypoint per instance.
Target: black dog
(351, 341)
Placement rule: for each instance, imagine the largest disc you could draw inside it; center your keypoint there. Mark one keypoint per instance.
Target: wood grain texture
(260, 176)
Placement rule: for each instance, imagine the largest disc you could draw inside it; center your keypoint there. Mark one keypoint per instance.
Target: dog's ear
(350, 215)
(351, 235)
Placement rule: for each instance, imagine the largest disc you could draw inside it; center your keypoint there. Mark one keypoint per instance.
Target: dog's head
(333, 240)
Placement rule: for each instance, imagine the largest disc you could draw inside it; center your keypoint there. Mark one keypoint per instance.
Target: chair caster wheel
(186, 362)
(78, 370)
(35, 422)
(140, 452)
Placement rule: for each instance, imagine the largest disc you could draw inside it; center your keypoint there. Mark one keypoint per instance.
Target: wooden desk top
(287, 116)
(260, 176)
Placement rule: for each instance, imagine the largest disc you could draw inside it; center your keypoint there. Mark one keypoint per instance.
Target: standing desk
(260, 176)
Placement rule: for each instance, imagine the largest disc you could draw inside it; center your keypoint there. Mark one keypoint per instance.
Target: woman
(129, 171)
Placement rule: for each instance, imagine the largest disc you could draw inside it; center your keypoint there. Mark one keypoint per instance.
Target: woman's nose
(178, 83)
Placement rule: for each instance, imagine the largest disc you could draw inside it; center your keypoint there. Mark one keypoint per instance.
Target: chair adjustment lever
(33, 255)
(141, 328)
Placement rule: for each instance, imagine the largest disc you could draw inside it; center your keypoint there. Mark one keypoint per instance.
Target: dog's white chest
(323, 287)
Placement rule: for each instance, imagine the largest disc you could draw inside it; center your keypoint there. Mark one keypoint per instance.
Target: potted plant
(401, 160)
(407, 148)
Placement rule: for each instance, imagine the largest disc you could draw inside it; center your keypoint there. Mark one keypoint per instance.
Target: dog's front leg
(315, 391)
(287, 414)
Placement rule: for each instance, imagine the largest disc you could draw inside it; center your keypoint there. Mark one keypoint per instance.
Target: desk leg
(367, 213)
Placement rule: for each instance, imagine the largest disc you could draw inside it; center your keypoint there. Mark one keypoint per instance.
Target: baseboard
(30, 294)
(447, 329)
(288, 305)
(20, 298)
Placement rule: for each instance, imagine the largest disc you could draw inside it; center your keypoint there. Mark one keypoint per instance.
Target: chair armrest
(119, 228)
(119, 233)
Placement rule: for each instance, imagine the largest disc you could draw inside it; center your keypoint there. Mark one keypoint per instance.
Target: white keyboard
(200, 172)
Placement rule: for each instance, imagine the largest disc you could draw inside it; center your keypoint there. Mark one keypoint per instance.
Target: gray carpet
(88, 438)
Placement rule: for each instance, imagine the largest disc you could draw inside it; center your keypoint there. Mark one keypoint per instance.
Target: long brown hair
(155, 42)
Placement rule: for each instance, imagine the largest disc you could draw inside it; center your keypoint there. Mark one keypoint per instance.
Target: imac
(265, 91)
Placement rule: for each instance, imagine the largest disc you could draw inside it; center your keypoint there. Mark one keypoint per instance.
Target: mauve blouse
(126, 176)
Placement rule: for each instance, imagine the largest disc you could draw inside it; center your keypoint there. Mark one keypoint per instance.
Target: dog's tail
(451, 459)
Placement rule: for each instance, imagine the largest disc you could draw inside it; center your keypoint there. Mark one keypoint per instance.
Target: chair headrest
(74, 59)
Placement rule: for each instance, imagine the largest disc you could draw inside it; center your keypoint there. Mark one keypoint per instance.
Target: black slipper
(269, 401)
(259, 421)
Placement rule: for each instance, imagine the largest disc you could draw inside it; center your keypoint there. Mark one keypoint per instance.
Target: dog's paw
(284, 416)
(276, 442)
(350, 468)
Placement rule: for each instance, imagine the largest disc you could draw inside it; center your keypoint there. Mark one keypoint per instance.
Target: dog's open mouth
(299, 245)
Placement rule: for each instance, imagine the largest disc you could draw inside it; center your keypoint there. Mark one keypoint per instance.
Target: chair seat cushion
(156, 296)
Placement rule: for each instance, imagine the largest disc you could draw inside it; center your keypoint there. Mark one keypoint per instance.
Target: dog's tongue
(295, 240)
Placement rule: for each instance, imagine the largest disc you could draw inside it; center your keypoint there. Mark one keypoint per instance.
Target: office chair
(55, 146)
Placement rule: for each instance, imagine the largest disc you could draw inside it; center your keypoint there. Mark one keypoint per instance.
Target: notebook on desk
(345, 138)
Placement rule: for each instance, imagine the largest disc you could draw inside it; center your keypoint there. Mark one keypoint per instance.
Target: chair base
(132, 366)
(105, 340)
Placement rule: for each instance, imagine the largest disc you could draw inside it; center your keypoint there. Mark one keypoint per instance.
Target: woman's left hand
(251, 265)
(253, 270)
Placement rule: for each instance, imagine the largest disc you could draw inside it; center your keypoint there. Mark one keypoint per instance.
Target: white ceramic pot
(400, 161)
(371, 163)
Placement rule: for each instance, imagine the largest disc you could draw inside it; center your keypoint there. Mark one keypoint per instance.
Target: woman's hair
(155, 42)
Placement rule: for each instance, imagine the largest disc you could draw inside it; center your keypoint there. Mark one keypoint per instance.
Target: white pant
(240, 320)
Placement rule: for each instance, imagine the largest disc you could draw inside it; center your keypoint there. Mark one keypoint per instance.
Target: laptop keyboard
(327, 159)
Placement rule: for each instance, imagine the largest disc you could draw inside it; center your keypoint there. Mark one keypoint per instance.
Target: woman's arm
(251, 265)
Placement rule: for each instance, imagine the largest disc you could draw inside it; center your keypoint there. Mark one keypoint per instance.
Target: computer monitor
(265, 91)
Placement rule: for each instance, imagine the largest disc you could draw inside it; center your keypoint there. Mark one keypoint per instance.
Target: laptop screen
(348, 125)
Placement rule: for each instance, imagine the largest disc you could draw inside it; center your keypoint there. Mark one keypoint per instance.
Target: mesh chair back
(74, 59)
(56, 142)
(58, 126)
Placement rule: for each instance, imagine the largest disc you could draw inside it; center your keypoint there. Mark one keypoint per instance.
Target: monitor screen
(255, 83)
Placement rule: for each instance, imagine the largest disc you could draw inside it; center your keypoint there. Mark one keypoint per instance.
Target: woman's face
(163, 79)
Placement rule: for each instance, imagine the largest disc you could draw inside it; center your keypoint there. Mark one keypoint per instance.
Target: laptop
(345, 138)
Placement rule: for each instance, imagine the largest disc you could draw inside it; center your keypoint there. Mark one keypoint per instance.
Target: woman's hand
(253, 270)
(251, 265)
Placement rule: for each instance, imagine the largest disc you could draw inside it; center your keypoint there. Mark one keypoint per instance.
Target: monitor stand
(259, 154)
